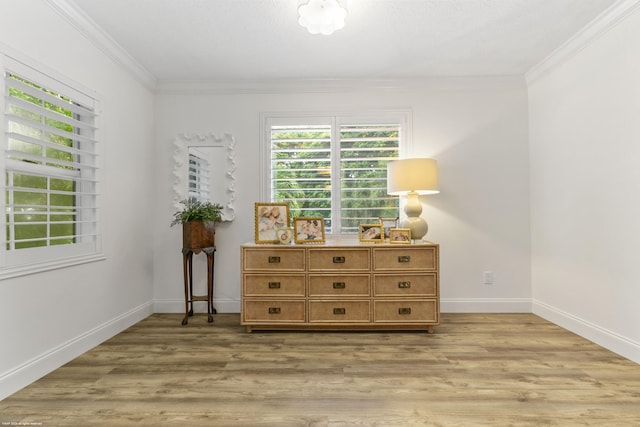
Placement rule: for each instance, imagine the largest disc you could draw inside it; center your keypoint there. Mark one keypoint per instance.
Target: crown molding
(338, 85)
(92, 31)
(596, 28)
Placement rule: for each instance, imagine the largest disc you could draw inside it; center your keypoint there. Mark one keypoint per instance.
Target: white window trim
(14, 264)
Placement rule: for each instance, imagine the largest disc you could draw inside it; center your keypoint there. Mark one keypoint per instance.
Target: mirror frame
(182, 143)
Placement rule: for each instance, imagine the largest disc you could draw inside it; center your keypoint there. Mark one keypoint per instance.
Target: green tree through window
(42, 207)
(49, 167)
(335, 171)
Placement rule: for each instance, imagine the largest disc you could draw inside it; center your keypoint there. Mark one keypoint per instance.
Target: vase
(198, 234)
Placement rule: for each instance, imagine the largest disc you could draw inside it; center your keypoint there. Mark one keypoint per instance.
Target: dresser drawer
(406, 311)
(339, 311)
(405, 284)
(405, 259)
(273, 285)
(265, 310)
(339, 259)
(342, 285)
(275, 259)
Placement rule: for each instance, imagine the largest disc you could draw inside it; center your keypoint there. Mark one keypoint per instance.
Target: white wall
(585, 190)
(47, 319)
(476, 130)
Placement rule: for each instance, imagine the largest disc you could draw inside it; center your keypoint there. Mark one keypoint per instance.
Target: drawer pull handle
(339, 310)
(404, 310)
(274, 310)
(274, 260)
(404, 258)
(339, 285)
(338, 260)
(404, 285)
(274, 285)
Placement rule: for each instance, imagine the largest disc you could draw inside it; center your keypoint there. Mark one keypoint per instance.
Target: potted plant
(198, 221)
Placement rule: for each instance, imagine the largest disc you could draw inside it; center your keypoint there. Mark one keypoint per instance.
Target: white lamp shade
(405, 176)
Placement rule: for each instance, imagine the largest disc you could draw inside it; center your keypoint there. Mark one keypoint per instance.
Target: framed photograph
(400, 235)
(270, 217)
(371, 233)
(388, 224)
(308, 230)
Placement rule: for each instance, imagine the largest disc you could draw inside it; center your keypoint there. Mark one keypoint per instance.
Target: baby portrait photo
(309, 230)
(269, 218)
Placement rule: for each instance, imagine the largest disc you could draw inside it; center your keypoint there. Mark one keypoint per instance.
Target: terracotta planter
(198, 235)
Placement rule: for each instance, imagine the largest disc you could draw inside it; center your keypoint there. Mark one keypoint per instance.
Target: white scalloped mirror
(214, 160)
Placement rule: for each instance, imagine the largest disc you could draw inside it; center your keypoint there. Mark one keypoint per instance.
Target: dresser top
(341, 243)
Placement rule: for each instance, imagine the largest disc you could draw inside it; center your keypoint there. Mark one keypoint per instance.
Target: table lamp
(413, 178)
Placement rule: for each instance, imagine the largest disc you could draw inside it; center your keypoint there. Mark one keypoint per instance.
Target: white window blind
(50, 164)
(301, 170)
(365, 151)
(336, 170)
(198, 178)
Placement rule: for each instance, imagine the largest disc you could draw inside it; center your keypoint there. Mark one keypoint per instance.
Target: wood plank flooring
(475, 370)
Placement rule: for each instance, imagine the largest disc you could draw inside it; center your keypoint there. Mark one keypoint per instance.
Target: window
(334, 167)
(50, 169)
(198, 178)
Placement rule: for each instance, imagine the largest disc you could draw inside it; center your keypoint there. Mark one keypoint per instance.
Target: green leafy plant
(196, 210)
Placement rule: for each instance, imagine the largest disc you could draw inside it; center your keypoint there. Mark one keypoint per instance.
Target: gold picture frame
(400, 236)
(308, 230)
(371, 233)
(270, 217)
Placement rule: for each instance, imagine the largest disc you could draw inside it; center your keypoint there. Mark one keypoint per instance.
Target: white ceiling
(254, 40)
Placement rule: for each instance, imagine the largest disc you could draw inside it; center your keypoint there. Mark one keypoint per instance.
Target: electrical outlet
(488, 277)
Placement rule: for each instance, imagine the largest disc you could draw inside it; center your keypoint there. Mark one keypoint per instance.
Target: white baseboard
(23, 375)
(485, 305)
(612, 341)
(177, 306)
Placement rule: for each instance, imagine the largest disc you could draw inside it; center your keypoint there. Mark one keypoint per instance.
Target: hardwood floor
(476, 370)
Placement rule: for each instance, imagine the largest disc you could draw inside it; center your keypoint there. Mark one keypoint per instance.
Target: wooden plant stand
(189, 298)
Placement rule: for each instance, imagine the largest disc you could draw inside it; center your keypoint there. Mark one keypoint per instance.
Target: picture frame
(269, 217)
(371, 233)
(388, 224)
(400, 236)
(308, 230)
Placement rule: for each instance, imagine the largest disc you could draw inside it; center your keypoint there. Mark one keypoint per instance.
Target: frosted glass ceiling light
(322, 16)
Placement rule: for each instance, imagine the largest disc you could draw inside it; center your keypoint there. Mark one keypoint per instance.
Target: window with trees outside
(50, 169)
(335, 167)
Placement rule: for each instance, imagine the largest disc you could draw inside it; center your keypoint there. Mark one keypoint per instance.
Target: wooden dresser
(340, 286)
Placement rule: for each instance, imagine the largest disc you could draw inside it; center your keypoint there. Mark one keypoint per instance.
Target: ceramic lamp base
(414, 222)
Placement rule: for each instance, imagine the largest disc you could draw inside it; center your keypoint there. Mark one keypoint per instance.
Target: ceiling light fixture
(322, 16)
